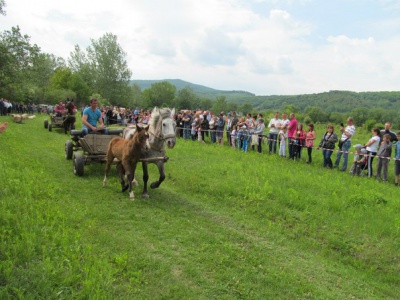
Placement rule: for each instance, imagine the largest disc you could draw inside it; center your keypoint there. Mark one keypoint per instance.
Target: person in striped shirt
(345, 143)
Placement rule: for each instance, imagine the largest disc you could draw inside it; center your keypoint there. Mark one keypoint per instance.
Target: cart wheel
(69, 149)
(79, 164)
(50, 127)
(46, 124)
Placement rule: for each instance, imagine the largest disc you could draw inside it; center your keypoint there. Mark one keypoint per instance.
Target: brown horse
(128, 153)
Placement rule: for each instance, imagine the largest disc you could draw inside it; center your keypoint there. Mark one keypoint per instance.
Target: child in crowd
(245, 137)
(283, 138)
(360, 160)
(233, 136)
(310, 137)
(384, 153)
(397, 160)
(299, 139)
(357, 157)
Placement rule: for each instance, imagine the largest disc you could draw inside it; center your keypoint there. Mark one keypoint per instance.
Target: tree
(336, 118)
(79, 87)
(317, 114)
(290, 108)
(79, 64)
(220, 105)
(246, 108)
(42, 70)
(108, 63)
(137, 96)
(61, 78)
(360, 115)
(2, 5)
(205, 103)
(160, 94)
(17, 59)
(185, 98)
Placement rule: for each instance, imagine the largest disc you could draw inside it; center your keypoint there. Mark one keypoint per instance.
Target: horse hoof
(131, 196)
(145, 196)
(135, 183)
(153, 185)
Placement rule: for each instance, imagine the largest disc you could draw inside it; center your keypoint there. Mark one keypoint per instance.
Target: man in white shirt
(273, 126)
(345, 143)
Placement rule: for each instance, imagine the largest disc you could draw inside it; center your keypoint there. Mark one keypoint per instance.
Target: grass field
(224, 225)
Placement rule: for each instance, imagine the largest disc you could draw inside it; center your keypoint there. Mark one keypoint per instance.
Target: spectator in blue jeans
(328, 144)
(345, 143)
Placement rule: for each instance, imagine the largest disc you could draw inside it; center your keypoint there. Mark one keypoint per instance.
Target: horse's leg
(66, 125)
(129, 174)
(156, 184)
(131, 178)
(109, 159)
(121, 175)
(145, 169)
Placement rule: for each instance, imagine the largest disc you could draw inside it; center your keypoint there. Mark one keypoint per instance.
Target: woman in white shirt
(372, 148)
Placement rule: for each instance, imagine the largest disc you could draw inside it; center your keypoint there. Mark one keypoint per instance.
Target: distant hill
(200, 90)
(332, 101)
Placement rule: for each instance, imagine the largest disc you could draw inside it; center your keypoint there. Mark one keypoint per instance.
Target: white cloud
(260, 46)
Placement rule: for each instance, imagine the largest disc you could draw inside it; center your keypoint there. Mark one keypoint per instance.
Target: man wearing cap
(345, 143)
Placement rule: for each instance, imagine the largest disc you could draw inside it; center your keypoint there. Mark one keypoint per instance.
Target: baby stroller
(360, 165)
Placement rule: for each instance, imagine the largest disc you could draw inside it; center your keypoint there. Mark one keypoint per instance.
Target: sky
(266, 47)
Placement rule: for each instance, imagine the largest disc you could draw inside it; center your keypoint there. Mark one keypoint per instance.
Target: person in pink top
(310, 137)
(291, 133)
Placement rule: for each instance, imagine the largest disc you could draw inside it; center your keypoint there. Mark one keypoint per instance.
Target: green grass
(224, 225)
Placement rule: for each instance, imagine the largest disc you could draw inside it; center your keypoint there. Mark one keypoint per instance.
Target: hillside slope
(332, 101)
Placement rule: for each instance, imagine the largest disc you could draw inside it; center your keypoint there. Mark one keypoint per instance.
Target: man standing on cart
(90, 117)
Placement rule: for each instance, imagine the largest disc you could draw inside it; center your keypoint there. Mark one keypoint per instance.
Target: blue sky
(266, 47)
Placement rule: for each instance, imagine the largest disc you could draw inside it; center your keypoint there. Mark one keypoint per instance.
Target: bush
(369, 124)
(307, 120)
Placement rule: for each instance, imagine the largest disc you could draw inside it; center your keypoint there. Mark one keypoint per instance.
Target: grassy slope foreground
(223, 225)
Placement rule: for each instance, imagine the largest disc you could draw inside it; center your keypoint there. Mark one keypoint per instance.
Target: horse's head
(167, 130)
(142, 136)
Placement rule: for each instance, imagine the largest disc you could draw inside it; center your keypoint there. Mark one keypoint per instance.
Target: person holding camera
(345, 143)
(327, 144)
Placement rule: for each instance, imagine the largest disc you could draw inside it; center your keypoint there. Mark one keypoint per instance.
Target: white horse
(161, 132)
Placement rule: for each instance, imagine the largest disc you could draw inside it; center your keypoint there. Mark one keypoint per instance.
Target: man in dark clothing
(393, 137)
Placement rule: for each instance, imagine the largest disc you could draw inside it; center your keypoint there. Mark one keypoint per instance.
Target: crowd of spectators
(9, 107)
(287, 137)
